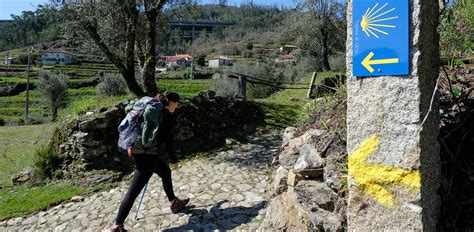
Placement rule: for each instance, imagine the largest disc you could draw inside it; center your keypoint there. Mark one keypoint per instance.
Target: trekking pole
(140, 204)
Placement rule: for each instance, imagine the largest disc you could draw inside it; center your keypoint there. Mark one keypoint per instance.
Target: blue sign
(380, 42)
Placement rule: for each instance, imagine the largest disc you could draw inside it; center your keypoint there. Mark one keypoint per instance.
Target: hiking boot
(118, 228)
(178, 204)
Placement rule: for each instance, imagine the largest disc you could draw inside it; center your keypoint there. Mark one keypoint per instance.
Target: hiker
(153, 159)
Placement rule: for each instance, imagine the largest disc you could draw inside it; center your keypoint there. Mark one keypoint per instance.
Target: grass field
(17, 148)
(287, 108)
(21, 200)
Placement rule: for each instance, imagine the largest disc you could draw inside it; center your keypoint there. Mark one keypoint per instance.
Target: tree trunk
(325, 50)
(128, 69)
(149, 82)
(54, 112)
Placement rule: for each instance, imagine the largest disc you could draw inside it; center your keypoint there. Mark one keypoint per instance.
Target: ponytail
(162, 98)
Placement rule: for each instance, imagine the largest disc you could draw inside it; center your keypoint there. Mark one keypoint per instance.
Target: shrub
(53, 89)
(456, 29)
(247, 54)
(48, 162)
(338, 62)
(249, 46)
(201, 60)
(267, 75)
(225, 86)
(111, 85)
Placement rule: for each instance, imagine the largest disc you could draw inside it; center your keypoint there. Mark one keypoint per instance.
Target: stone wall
(89, 141)
(308, 186)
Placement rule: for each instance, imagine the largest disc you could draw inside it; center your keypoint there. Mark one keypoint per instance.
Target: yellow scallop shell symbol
(371, 20)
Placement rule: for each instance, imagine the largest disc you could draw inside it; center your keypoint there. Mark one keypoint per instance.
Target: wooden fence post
(243, 86)
(311, 85)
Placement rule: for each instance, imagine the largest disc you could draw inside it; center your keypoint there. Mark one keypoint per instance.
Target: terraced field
(12, 108)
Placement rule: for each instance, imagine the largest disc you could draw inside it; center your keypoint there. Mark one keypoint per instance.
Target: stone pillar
(394, 166)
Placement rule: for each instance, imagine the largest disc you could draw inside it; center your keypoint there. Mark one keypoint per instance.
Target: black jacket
(165, 136)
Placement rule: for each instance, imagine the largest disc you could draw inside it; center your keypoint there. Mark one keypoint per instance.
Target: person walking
(155, 161)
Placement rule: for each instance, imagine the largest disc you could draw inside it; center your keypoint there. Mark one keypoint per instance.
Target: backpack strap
(151, 123)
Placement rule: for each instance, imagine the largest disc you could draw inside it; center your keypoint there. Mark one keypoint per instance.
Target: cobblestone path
(228, 191)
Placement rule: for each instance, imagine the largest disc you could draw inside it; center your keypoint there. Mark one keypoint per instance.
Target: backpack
(139, 127)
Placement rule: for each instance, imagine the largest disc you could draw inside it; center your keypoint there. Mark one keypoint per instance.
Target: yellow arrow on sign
(367, 62)
(377, 179)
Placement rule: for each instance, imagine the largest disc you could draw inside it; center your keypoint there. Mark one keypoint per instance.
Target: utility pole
(192, 54)
(7, 62)
(28, 87)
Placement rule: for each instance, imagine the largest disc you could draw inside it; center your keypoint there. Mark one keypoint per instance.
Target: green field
(17, 148)
(287, 108)
(21, 200)
(82, 99)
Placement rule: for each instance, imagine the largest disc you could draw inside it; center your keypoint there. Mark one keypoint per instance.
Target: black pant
(146, 165)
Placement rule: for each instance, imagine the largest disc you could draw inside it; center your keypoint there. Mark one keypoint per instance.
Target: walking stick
(140, 204)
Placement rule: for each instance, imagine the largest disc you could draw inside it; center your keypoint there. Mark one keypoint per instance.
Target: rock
(279, 180)
(97, 179)
(77, 199)
(330, 177)
(229, 141)
(309, 162)
(22, 177)
(290, 149)
(318, 194)
(288, 134)
(290, 212)
(293, 178)
(209, 94)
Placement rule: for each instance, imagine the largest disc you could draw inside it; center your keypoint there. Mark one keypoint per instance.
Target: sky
(8, 7)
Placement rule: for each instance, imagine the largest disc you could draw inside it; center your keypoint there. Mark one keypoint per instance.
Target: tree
(456, 29)
(318, 27)
(114, 26)
(53, 88)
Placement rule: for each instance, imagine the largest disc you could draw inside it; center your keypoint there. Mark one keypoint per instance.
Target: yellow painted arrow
(376, 179)
(367, 62)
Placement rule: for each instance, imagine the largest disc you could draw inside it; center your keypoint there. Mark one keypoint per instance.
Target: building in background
(287, 49)
(57, 57)
(177, 60)
(220, 61)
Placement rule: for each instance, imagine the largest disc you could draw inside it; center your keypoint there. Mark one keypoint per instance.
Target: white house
(57, 56)
(220, 61)
(287, 49)
(8, 60)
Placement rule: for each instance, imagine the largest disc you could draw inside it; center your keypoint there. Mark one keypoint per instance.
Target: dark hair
(166, 97)
(162, 98)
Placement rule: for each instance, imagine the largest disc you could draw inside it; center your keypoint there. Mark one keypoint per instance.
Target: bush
(48, 162)
(53, 88)
(267, 75)
(338, 62)
(247, 54)
(111, 85)
(225, 86)
(456, 29)
(201, 60)
(249, 46)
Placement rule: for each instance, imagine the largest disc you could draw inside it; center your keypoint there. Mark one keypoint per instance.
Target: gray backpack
(131, 139)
